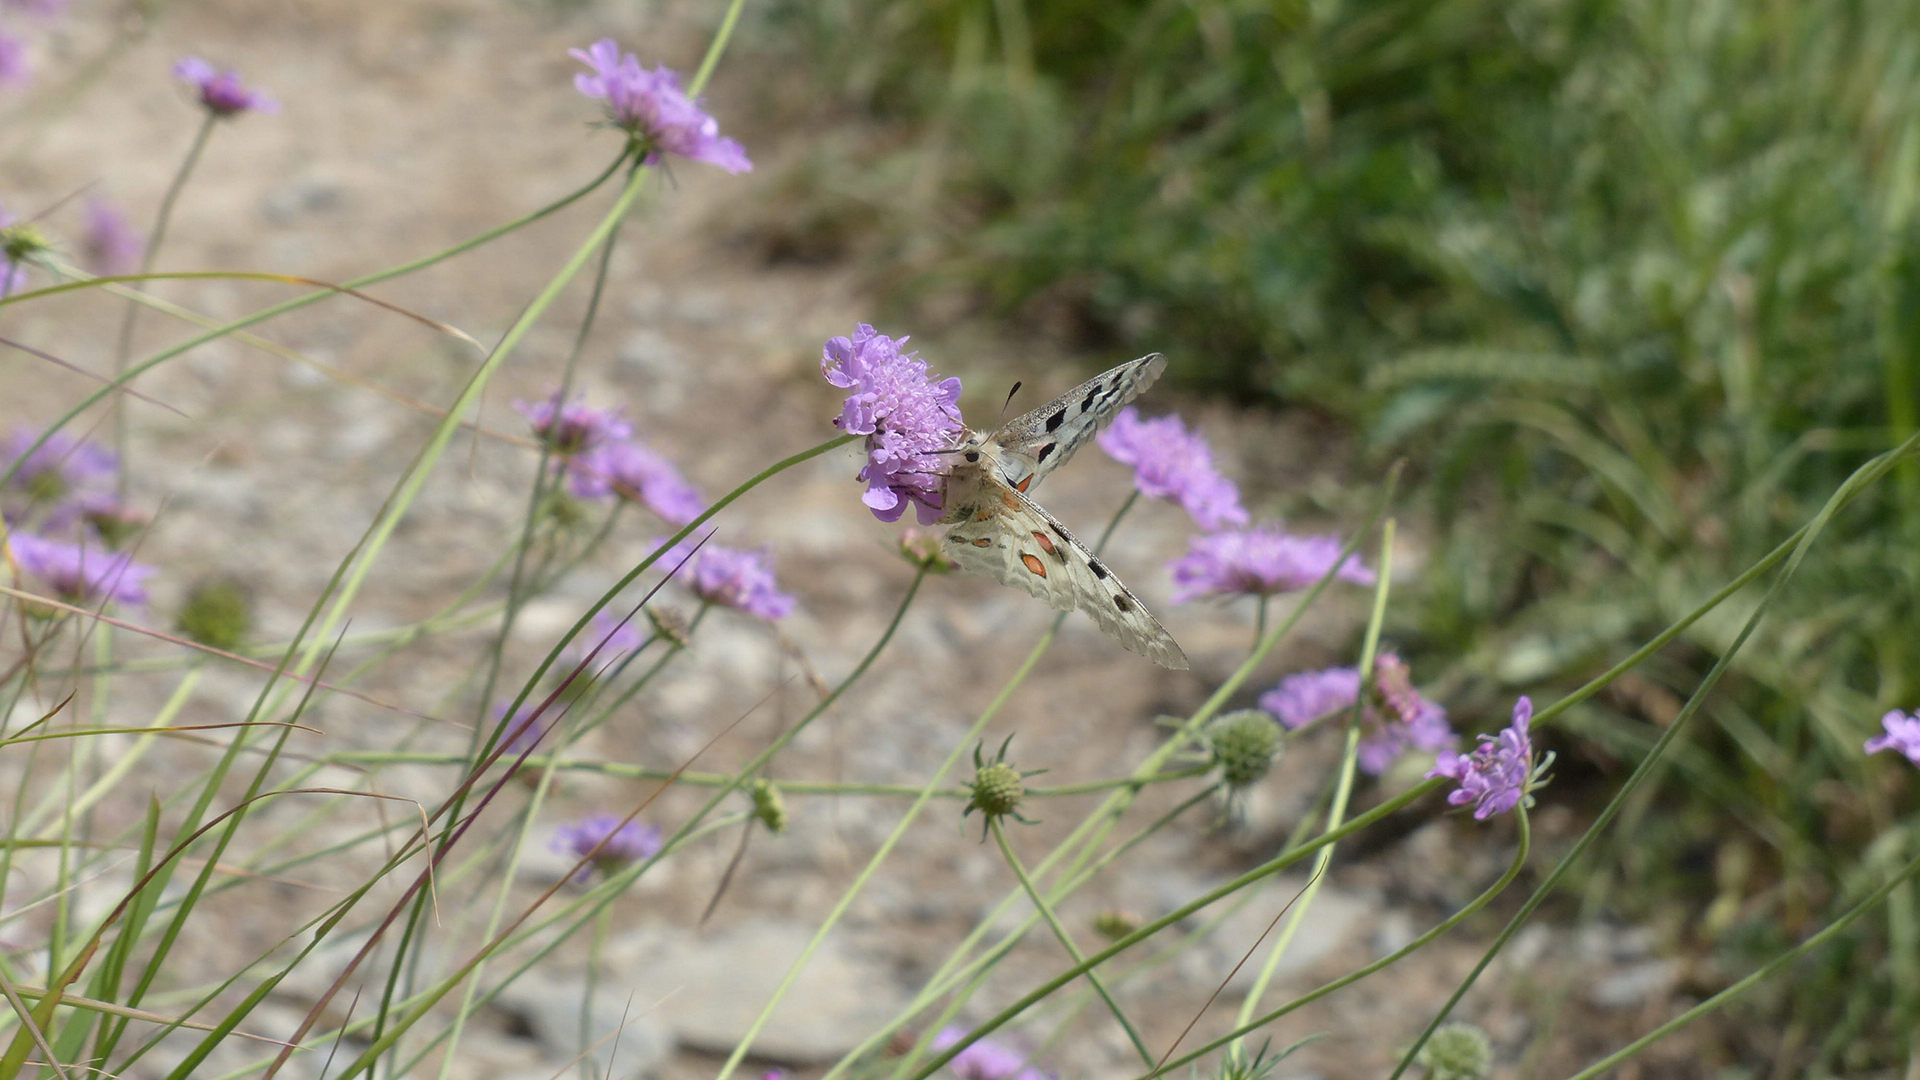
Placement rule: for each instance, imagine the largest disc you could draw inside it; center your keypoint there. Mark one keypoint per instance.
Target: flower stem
(1342, 791)
(1066, 939)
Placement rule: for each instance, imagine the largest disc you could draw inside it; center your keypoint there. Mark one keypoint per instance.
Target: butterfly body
(998, 530)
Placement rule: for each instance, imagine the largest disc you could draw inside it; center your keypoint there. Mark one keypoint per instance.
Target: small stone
(1635, 984)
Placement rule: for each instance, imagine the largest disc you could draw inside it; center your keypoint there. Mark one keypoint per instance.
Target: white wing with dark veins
(1036, 443)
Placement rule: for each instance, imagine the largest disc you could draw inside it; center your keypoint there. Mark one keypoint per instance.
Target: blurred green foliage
(1634, 283)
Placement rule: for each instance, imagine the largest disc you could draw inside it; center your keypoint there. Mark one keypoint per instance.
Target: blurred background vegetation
(1633, 284)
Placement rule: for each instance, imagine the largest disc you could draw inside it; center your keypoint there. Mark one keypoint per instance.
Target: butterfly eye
(973, 455)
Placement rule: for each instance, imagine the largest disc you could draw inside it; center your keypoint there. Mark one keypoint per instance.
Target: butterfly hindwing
(1010, 538)
(1034, 444)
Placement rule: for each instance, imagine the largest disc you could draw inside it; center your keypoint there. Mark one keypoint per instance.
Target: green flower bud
(768, 808)
(1456, 1051)
(217, 613)
(1244, 745)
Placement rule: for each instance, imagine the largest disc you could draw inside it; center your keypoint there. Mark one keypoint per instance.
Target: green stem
(1066, 939)
(1343, 788)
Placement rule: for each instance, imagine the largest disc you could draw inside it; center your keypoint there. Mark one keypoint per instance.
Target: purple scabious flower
(650, 105)
(110, 244)
(618, 843)
(15, 69)
(1169, 462)
(1306, 696)
(636, 474)
(905, 414)
(221, 91)
(1496, 774)
(1260, 561)
(1903, 735)
(573, 428)
(985, 1059)
(79, 574)
(62, 468)
(739, 579)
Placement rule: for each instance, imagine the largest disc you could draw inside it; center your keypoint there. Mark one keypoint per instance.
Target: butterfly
(998, 530)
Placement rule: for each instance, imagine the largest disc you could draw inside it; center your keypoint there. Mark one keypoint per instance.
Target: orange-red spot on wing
(1046, 543)
(985, 513)
(1009, 501)
(985, 541)
(1034, 564)
(1022, 485)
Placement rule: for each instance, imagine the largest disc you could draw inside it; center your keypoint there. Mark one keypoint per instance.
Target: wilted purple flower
(617, 843)
(1306, 696)
(636, 474)
(1260, 561)
(651, 105)
(573, 428)
(985, 1059)
(1393, 720)
(221, 91)
(15, 70)
(63, 467)
(1495, 776)
(905, 415)
(523, 732)
(739, 579)
(613, 636)
(110, 244)
(113, 523)
(1903, 735)
(77, 573)
(1169, 462)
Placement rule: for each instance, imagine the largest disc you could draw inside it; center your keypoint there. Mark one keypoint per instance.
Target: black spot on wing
(1122, 603)
(1054, 420)
(1041, 457)
(1088, 403)
(1099, 568)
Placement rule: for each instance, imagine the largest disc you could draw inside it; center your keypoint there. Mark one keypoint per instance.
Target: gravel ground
(410, 126)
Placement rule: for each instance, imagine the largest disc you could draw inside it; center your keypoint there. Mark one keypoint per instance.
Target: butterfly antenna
(1003, 405)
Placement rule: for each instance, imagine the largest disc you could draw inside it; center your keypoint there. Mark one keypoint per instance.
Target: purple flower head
(636, 474)
(79, 574)
(739, 579)
(1903, 735)
(905, 414)
(111, 246)
(221, 91)
(606, 632)
(1169, 462)
(617, 843)
(1306, 696)
(985, 1059)
(573, 428)
(1394, 720)
(1496, 774)
(650, 105)
(1260, 561)
(15, 69)
(62, 468)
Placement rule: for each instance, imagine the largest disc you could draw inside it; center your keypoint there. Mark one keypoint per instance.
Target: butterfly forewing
(1035, 444)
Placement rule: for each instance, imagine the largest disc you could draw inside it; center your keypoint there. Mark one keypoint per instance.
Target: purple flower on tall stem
(985, 1059)
(607, 841)
(1496, 775)
(572, 428)
(905, 414)
(110, 244)
(636, 474)
(1902, 737)
(80, 574)
(739, 579)
(62, 468)
(1169, 462)
(650, 105)
(1260, 561)
(221, 91)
